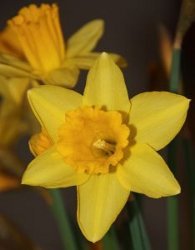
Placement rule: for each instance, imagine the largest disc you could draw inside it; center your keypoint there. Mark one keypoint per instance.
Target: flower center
(39, 33)
(93, 140)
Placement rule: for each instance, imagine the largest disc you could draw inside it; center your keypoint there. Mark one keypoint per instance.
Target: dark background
(132, 29)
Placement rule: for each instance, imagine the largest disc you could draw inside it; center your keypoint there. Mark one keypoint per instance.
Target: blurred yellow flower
(104, 144)
(8, 182)
(12, 124)
(35, 35)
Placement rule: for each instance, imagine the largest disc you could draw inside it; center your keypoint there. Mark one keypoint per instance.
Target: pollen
(40, 142)
(93, 140)
(39, 33)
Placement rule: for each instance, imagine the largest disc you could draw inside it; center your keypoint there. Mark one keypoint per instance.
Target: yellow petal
(17, 88)
(49, 104)
(11, 71)
(49, 170)
(66, 77)
(86, 61)
(85, 39)
(11, 66)
(105, 86)
(146, 172)
(119, 60)
(157, 117)
(14, 62)
(100, 200)
(4, 90)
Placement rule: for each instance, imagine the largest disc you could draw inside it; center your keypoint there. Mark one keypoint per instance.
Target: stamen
(107, 147)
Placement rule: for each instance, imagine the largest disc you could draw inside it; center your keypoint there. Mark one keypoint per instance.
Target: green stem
(62, 220)
(175, 71)
(188, 157)
(139, 236)
(190, 162)
(172, 216)
(172, 203)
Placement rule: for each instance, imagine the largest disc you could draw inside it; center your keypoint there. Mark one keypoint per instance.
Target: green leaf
(137, 229)
(172, 202)
(65, 228)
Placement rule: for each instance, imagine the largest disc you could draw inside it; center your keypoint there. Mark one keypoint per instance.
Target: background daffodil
(12, 127)
(104, 144)
(38, 40)
(12, 124)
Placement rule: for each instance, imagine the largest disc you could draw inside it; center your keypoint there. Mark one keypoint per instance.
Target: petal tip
(99, 22)
(32, 91)
(28, 177)
(104, 55)
(29, 92)
(187, 101)
(176, 189)
(105, 59)
(25, 181)
(92, 238)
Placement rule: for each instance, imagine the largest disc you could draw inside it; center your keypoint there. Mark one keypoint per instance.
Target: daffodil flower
(104, 144)
(35, 36)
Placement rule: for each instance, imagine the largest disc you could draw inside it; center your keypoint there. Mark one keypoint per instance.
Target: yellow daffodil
(35, 35)
(104, 144)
